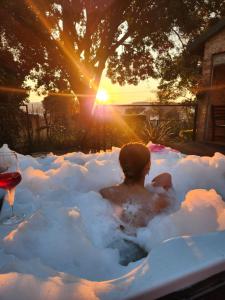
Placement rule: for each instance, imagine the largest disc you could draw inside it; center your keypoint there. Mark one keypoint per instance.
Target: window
(218, 76)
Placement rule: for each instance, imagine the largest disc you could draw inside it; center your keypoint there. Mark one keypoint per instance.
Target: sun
(102, 97)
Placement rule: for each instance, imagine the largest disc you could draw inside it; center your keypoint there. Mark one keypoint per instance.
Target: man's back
(138, 204)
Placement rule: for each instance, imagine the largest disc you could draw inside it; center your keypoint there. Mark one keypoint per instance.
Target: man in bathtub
(138, 204)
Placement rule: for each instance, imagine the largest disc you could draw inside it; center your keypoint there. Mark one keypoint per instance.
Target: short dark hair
(133, 158)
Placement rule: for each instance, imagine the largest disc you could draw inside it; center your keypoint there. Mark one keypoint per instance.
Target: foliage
(12, 118)
(60, 116)
(12, 74)
(60, 104)
(179, 70)
(10, 122)
(186, 135)
(159, 132)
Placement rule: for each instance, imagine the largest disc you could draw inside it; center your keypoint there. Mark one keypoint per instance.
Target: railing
(111, 125)
(157, 122)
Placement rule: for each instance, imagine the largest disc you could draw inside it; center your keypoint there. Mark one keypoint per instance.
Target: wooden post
(195, 123)
(28, 127)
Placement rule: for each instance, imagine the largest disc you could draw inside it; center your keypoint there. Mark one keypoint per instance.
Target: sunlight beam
(64, 46)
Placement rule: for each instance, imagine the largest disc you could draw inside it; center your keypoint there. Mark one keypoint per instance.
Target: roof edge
(197, 46)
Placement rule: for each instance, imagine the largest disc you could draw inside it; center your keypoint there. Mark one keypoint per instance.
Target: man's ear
(147, 168)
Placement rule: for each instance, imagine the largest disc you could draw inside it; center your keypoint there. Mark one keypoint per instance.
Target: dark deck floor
(197, 148)
(190, 148)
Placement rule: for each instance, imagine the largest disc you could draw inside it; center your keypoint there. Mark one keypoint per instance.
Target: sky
(144, 91)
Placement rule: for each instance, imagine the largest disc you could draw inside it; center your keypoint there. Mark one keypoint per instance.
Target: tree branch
(177, 34)
(120, 42)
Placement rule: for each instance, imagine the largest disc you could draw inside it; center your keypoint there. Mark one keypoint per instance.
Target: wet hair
(133, 158)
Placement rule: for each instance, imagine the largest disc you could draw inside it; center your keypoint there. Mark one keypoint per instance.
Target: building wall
(214, 45)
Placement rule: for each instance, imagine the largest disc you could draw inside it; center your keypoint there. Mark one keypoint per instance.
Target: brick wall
(214, 45)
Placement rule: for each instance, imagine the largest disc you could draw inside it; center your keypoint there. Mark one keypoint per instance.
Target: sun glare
(102, 97)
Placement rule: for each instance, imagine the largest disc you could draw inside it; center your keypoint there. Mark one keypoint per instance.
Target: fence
(15, 126)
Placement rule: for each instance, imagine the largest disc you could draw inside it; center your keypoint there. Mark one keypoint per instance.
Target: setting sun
(102, 97)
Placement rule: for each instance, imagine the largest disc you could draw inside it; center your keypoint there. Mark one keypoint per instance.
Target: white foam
(61, 251)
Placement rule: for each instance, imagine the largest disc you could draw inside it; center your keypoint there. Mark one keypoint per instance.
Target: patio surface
(198, 148)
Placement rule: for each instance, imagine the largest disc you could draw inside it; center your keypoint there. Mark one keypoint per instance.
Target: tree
(178, 69)
(59, 113)
(66, 44)
(11, 119)
(11, 115)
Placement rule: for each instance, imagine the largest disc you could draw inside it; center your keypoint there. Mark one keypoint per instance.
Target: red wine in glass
(9, 180)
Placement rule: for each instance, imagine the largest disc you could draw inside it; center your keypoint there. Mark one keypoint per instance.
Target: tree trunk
(86, 120)
(86, 97)
(86, 109)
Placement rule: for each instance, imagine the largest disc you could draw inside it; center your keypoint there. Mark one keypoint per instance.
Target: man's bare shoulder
(109, 192)
(114, 194)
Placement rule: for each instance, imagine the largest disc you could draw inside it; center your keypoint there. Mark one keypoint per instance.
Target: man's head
(134, 160)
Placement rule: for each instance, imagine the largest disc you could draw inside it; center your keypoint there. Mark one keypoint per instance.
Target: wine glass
(9, 179)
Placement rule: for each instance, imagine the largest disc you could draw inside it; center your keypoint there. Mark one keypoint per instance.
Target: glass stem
(12, 211)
